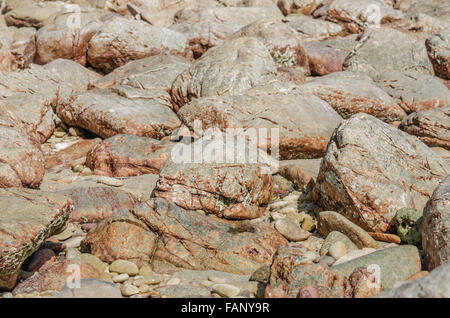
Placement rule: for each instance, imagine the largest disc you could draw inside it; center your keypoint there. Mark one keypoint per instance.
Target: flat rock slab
(414, 91)
(438, 48)
(233, 67)
(27, 219)
(434, 285)
(93, 204)
(154, 72)
(372, 169)
(383, 49)
(235, 190)
(351, 93)
(391, 265)
(435, 225)
(191, 240)
(305, 123)
(128, 155)
(106, 112)
(91, 288)
(312, 29)
(431, 126)
(120, 40)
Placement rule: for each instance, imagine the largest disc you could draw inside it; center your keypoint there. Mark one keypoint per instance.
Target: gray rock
(365, 156)
(91, 288)
(334, 237)
(312, 29)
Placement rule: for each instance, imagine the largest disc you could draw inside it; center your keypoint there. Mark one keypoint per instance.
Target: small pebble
(124, 267)
(74, 242)
(110, 181)
(337, 250)
(129, 290)
(77, 168)
(120, 278)
(86, 172)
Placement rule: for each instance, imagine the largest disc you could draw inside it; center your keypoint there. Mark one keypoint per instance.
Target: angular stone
(392, 265)
(332, 221)
(312, 29)
(108, 112)
(35, 15)
(372, 169)
(23, 46)
(351, 93)
(305, 123)
(231, 68)
(190, 240)
(290, 230)
(121, 236)
(431, 126)
(234, 190)
(128, 155)
(74, 153)
(435, 225)
(297, 6)
(414, 91)
(121, 40)
(383, 49)
(439, 53)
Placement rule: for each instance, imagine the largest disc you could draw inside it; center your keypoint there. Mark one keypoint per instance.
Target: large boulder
(372, 169)
(435, 225)
(120, 110)
(414, 91)
(439, 52)
(120, 40)
(431, 126)
(27, 219)
(351, 93)
(231, 68)
(383, 49)
(305, 122)
(191, 240)
(128, 155)
(197, 176)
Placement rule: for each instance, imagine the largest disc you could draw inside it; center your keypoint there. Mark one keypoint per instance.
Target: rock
(34, 15)
(148, 280)
(154, 72)
(121, 236)
(127, 155)
(93, 204)
(129, 290)
(293, 232)
(124, 267)
(436, 221)
(110, 181)
(312, 29)
(209, 27)
(121, 40)
(434, 285)
(297, 6)
(332, 221)
(109, 112)
(233, 67)
(226, 290)
(359, 14)
(38, 259)
(383, 49)
(240, 190)
(409, 225)
(183, 291)
(55, 275)
(364, 283)
(283, 42)
(120, 278)
(337, 250)
(365, 156)
(395, 264)
(27, 219)
(439, 53)
(326, 260)
(23, 46)
(91, 288)
(351, 93)
(334, 237)
(414, 91)
(145, 270)
(431, 126)
(261, 275)
(74, 153)
(305, 123)
(190, 240)
(354, 254)
(385, 237)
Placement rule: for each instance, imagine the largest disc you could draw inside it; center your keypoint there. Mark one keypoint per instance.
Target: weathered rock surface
(91, 288)
(383, 49)
(191, 240)
(351, 93)
(372, 169)
(297, 6)
(27, 219)
(312, 29)
(235, 189)
(300, 118)
(414, 91)
(120, 40)
(435, 225)
(439, 52)
(35, 15)
(231, 68)
(434, 285)
(431, 126)
(119, 110)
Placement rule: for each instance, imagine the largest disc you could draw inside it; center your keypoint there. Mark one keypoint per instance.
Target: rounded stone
(124, 267)
(337, 250)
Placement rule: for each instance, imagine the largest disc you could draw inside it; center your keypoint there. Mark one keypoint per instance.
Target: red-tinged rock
(74, 153)
(39, 259)
(439, 53)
